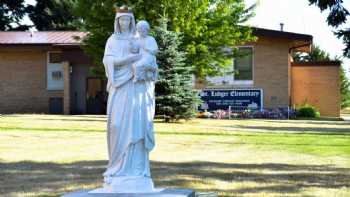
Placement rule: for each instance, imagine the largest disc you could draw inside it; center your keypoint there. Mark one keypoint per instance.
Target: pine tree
(175, 97)
(316, 54)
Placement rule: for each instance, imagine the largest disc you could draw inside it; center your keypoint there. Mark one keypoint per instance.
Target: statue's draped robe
(130, 111)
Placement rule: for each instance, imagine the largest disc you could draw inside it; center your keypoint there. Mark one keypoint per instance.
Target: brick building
(266, 66)
(47, 72)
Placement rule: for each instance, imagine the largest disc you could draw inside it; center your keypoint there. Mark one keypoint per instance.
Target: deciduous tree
(54, 15)
(206, 25)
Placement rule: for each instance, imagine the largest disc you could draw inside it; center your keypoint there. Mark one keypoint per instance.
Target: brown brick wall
(271, 57)
(23, 80)
(318, 85)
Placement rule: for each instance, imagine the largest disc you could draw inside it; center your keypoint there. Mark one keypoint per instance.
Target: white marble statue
(130, 106)
(146, 68)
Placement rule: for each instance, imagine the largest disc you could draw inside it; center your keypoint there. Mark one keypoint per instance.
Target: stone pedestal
(162, 193)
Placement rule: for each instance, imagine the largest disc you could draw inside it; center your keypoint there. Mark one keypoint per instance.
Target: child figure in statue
(146, 69)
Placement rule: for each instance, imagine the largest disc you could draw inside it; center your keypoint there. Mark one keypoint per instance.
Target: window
(55, 71)
(55, 57)
(240, 74)
(243, 64)
(56, 75)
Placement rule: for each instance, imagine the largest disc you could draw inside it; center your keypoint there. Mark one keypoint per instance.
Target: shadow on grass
(302, 130)
(254, 134)
(310, 122)
(57, 179)
(94, 118)
(47, 129)
(77, 119)
(287, 144)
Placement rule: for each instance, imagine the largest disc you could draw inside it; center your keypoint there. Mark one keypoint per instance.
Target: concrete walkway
(346, 117)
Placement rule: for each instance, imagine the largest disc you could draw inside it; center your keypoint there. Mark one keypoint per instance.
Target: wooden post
(66, 90)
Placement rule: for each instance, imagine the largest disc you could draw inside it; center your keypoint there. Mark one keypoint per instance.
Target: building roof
(300, 42)
(281, 34)
(317, 63)
(75, 37)
(41, 37)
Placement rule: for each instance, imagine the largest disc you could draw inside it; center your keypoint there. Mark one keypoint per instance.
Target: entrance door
(95, 96)
(56, 105)
(79, 75)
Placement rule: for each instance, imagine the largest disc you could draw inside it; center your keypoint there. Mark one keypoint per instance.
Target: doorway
(96, 101)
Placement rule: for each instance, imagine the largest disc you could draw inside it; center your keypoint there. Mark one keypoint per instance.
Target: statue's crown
(123, 9)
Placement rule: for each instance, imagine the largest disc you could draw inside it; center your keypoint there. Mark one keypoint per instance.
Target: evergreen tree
(11, 13)
(317, 54)
(175, 97)
(54, 15)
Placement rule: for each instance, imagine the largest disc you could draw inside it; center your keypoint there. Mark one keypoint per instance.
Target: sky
(298, 17)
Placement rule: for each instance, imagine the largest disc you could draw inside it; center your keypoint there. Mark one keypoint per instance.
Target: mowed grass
(49, 155)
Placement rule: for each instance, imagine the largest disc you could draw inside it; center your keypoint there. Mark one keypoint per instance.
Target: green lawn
(49, 155)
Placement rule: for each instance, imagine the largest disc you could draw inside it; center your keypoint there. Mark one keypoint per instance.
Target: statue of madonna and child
(131, 69)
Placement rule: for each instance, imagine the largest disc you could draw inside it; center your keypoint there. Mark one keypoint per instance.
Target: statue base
(162, 193)
(127, 184)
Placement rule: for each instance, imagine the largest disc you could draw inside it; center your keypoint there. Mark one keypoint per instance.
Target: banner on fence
(238, 99)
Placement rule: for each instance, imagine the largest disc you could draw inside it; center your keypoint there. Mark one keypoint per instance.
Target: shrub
(307, 111)
(204, 114)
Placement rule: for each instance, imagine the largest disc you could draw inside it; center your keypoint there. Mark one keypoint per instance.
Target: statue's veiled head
(124, 21)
